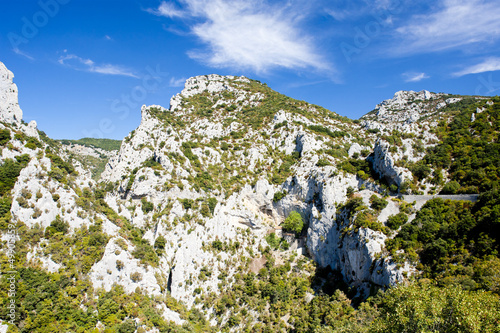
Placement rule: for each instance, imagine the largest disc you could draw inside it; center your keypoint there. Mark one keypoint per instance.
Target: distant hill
(105, 144)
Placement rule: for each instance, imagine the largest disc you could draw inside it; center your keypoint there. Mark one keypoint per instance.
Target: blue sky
(84, 68)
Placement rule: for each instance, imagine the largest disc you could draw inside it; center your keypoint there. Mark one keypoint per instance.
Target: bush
(323, 162)
(273, 241)
(378, 203)
(395, 221)
(279, 195)
(136, 277)
(293, 223)
(160, 243)
(146, 206)
(451, 187)
(217, 245)
(58, 225)
(4, 136)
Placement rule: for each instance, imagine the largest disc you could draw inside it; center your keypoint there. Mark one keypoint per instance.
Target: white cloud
(177, 82)
(248, 34)
(414, 77)
(455, 23)
(21, 53)
(88, 65)
(489, 65)
(168, 9)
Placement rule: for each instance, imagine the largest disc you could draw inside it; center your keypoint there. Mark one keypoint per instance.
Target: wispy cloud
(247, 34)
(454, 23)
(489, 65)
(21, 53)
(168, 9)
(176, 82)
(87, 65)
(414, 77)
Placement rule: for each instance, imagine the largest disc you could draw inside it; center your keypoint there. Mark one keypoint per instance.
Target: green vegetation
(60, 169)
(424, 307)
(9, 171)
(281, 173)
(293, 223)
(396, 221)
(104, 144)
(276, 243)
(454, 242)
(358, 215)
(359, 167)
(469, 151)
(4, 136)
(279, 195)
(378, 203)
(146, 206)
(326, 131)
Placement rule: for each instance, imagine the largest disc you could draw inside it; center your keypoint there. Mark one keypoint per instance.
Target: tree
(421, 307)
(294, 223)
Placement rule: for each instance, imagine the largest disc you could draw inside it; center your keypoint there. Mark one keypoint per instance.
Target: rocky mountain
(194, 223)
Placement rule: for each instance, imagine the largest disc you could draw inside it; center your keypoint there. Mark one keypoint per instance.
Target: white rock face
(383, 164)
(130, 273)
(10, 112)
(3, 327)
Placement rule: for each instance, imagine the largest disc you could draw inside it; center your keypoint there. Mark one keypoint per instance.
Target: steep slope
(55, 227)
(258, 155)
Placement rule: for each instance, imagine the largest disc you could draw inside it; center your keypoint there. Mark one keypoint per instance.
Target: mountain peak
(10, 112)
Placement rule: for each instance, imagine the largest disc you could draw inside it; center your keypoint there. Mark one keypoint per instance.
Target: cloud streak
(247, 34)
(414, 77)
(489, 65)
(87, 65)
(168, 9)
(455, 23)
(21, 53)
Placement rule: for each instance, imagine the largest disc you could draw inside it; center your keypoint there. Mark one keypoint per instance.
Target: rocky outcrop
(10, 112)
(383, 164)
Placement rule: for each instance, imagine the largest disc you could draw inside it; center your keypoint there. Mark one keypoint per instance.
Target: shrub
(323, 162)
(378, 203)
(58, 225)
(273, 241)
(451, 187)
(146, 206)
(212, 203)
(217, 245)
(395, 221)
(4, 136)
(294, 223)
(423, 307)
(279, 195)
(119, 265)
(136, 277)
(160, 243)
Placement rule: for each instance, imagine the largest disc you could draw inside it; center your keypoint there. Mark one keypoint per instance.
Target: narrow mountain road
(464, 197)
